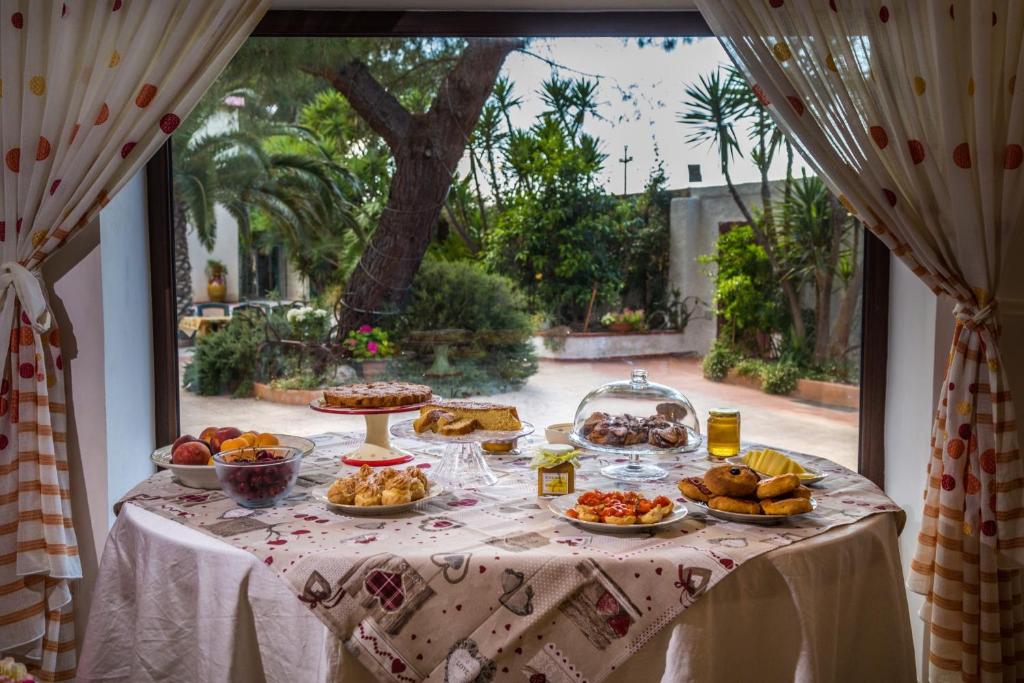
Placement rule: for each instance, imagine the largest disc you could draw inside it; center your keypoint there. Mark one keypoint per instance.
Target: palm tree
(301, 194)
(712, 108)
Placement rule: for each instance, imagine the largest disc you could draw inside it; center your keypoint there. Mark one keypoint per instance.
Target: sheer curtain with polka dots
(910, 111)
(89, 89)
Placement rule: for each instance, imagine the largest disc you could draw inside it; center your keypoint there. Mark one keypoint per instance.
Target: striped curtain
(910, 111)
(89, 89)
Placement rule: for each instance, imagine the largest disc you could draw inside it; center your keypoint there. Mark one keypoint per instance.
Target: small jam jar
(723, 432)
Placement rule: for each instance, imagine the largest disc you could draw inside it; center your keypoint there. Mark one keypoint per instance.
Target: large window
(522, 218)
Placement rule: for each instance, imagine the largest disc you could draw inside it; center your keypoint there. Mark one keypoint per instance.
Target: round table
(174, 604)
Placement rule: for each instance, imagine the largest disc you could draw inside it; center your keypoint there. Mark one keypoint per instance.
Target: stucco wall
(225, 249)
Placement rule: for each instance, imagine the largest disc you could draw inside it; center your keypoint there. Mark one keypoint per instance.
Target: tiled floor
(553, 394)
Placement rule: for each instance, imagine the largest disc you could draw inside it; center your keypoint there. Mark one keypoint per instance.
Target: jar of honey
(723, 432)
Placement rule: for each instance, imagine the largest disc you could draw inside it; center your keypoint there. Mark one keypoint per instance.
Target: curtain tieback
(977, 317)
(27, 289)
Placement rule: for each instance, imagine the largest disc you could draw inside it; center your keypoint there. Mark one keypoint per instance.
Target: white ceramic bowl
(558, 433)
(205, 476)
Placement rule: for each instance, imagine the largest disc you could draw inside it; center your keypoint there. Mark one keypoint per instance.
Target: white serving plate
(742, 518)
(205, 476)
(816, 475)
(320, 493)
(561, 504)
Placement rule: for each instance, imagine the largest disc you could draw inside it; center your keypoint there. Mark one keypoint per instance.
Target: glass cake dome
(636, 418)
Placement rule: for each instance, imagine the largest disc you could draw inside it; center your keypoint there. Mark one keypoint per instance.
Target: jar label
(554, 483)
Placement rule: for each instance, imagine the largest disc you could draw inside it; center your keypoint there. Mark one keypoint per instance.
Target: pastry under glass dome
(643, 419)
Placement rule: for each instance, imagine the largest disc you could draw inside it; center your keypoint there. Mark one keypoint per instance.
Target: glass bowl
(636, 418)
(260, 482)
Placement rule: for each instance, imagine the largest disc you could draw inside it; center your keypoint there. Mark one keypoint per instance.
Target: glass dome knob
(639, 377)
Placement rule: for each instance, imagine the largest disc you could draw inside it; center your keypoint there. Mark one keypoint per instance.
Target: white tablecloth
(830, 608)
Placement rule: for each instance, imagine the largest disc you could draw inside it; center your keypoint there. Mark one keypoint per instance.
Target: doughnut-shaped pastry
(786, 506)
(729, 504)
(777, 487)
(695, 489)
(735, 481)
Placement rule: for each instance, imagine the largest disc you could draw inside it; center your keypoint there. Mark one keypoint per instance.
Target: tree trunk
(426, 148)
(182, 264)
(479, 195)
(825, 278)
(246, 276)
(840, 338)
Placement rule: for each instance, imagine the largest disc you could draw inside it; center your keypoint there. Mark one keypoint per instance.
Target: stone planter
(620, 328)
(598, 345)
(831, 394)
(373, 369)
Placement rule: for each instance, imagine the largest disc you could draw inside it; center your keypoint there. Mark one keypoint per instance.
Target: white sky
(656, 79)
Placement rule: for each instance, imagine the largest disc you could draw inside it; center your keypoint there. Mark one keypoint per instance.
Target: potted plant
(216, 280)
(626, 320)
(371, 347)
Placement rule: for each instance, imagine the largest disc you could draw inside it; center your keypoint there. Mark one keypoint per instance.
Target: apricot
(250, 438)
(233, 444)
(191, 453)
(266, 439)
(222, 435)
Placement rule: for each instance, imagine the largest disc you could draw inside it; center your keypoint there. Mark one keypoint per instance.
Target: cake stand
(634, 470)
(463, 464)
(376, 450)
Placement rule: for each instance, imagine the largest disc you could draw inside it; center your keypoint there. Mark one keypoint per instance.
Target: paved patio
(553, 394)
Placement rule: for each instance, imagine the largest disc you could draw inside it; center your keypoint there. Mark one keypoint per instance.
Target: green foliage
(226, 360)
(636, 319)
(719, 359)
(750, 367)
(308, 323)
(747, 295)
(645, 220)
(557, 238)
(779, 378)
(495, 354)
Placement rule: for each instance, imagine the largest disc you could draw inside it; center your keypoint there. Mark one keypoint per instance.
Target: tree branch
(466, 88)
(379, 108)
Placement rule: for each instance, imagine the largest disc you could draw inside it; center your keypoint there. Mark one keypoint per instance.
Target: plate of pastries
(736, 493)
(661, 432)
(371, 493)
(617, 511)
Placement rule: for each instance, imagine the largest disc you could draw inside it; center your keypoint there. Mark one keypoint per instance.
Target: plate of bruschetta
(617, 511)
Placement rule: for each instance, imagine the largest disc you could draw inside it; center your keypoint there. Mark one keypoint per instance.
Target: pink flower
(372, 347)
(365, 329)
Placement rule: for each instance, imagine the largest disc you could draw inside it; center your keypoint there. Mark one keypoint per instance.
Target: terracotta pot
(373, 369)
(620, 327)
(216, 290)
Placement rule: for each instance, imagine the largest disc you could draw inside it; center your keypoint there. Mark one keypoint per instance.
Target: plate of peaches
(191, 458)
(370, 493)
(736, 493)
(621, 512)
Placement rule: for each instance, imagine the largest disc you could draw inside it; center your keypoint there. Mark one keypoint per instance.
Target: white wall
(127, 339)
(225, 250)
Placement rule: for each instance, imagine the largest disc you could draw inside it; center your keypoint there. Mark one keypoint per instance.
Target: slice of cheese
(772, 463)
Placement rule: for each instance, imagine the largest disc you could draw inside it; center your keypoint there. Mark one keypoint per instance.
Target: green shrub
(779, 378)
(719, 359)
(227, 360)
(750, 367)
(496, 352)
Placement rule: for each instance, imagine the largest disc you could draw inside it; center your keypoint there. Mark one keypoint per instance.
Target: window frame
(470, 24)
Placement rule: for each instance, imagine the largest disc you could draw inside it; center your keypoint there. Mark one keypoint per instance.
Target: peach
(184, 438)
(207, 434)
(266, 439)
(191, 453)
(222, 435)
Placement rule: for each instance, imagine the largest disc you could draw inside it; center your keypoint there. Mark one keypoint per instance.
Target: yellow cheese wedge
(772, 463)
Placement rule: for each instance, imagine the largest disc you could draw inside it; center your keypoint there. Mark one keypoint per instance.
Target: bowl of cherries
(258, 477)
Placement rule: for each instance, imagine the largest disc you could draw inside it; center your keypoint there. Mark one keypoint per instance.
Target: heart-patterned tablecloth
(482, 585)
